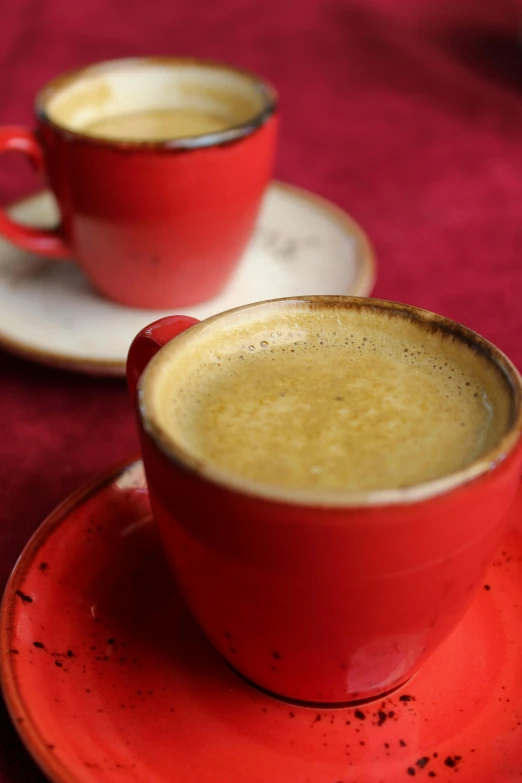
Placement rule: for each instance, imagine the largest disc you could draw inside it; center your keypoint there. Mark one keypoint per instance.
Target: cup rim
(482, 465)
(217, 138)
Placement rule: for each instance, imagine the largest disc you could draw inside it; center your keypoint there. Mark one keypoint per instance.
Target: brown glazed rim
(486, 463)
(230, 134)
(362, 286)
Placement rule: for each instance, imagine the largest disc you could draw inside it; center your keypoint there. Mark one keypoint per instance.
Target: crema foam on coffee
(331, 399)
(157, 124)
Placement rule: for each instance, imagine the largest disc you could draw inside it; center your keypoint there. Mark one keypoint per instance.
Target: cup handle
(148, 342)
(45, 242)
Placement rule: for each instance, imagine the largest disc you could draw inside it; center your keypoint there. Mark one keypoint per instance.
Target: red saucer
(108, 679)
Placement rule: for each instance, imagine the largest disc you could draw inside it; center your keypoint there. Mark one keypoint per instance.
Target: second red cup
(158, 166)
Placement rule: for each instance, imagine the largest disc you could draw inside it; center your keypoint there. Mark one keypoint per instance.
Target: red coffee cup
(333, 598)
(152, 223)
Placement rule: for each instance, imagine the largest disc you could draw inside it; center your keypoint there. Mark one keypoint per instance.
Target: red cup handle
(45, 242)
(148, 342)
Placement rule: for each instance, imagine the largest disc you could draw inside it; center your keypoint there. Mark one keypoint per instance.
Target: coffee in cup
(157, 124)
(333, 400)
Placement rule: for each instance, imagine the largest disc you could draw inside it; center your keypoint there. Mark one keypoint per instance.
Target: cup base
(318, 703)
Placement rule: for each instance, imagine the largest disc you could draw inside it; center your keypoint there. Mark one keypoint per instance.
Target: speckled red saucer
(109, 680)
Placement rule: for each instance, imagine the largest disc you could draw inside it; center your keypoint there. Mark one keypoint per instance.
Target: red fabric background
(407, 114)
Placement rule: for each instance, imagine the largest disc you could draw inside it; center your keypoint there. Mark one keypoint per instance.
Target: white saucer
(50, 314)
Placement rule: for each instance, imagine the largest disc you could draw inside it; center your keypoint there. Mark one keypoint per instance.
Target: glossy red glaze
(151, 225)
(317, 603)
(108, 678)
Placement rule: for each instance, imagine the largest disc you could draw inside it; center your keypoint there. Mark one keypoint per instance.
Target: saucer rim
(17, 707)
(362, 286)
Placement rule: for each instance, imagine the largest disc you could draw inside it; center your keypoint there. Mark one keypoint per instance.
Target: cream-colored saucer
(49, 312)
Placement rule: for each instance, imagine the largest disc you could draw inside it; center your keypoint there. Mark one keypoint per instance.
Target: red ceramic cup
(153, 224)
(324, 599)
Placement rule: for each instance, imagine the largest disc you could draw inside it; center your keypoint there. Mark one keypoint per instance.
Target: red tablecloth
(407, 114)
